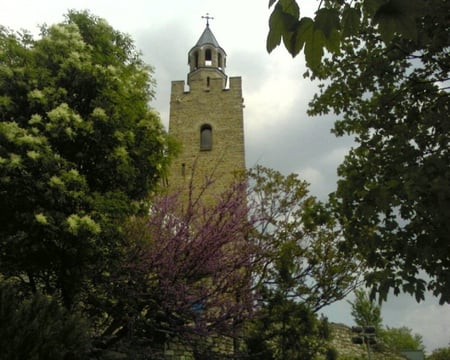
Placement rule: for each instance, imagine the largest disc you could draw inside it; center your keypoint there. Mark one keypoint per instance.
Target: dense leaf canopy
(39, 328)
(298, 241)
(386, 74)
(80, 149)
(394, 189)
(286, 330)
(440, 354)
(297, 269)
(401, 339)
(335, 20)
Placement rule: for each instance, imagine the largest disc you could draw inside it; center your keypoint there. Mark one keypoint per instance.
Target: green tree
(38, 327)
(402, 338)
(393, 190)
(298, 269)
(284, 329)
(80, 150)
(440, 354)
(298, 241)
(365, 311)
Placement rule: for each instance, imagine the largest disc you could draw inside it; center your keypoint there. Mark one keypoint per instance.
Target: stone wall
(342, 342)
(212, 348)
(221, 109)
(178, 351)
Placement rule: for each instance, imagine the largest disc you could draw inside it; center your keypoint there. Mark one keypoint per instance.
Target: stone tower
(207, 120)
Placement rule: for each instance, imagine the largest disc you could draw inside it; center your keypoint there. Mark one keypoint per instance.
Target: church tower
(207, 120)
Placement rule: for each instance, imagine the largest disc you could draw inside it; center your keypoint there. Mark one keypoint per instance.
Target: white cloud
(336, 156)
(313, 176)
(433, 322)
(426, 318)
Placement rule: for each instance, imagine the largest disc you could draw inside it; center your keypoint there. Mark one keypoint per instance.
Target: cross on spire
(207, 17)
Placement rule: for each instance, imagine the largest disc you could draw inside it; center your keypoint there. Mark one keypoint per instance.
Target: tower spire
(207, 17)
(207, 60)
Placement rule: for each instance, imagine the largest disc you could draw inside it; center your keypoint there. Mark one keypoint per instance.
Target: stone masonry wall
(220, 108)
(342, 342)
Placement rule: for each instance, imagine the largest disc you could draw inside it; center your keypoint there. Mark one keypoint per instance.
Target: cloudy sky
(278, 132)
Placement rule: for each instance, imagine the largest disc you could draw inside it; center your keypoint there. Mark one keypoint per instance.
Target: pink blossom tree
(186, 270)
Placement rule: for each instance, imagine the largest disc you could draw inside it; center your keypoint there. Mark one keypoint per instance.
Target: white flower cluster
(78, 223)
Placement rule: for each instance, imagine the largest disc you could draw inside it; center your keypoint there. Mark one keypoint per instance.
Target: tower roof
(207, 58)
(207, 37)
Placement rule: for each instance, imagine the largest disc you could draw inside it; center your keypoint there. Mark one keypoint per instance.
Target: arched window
(196, 59)
(206, 137)
(208, 57)
(219, 58)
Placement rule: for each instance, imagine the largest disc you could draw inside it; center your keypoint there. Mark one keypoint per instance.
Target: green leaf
(290, 7)
(327, 21)
(372, 6)
(275, 29)
(314, 48)
(398, 16)
(332, 43)
(280, 24)
(273, 40)
(290, 43)
(305, 29)
(295, 40)
(351, 19)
